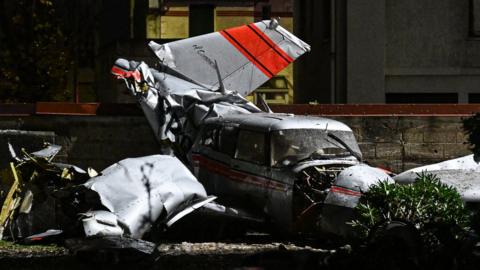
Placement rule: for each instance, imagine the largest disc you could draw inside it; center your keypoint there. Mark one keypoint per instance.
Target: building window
(421, 98)
(266, 12)
(475, 18)
(474, 98)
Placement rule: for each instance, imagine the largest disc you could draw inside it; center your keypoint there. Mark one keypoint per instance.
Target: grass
(12, 249)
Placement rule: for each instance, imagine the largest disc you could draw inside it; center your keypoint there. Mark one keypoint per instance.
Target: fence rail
(65, 108)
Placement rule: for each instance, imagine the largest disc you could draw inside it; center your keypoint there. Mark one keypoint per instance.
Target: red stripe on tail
(258, 48)
(247, 54)
(274, 46)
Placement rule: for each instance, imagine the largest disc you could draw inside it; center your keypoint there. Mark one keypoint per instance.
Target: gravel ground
(218, 248)
(238, 255)
(183, 255)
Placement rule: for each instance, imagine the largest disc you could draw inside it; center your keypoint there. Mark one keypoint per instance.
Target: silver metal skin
(138, 191)
(101, 223)
(461, 173)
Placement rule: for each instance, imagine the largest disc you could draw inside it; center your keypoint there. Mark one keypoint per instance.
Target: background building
(363, 51)
(387, 51)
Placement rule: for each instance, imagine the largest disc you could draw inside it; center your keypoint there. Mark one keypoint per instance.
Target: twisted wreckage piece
(45, 199)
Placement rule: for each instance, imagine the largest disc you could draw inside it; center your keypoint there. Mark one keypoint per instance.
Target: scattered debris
(48, 202)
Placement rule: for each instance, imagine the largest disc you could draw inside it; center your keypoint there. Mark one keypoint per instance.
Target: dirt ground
(183, 255)
(254, 253)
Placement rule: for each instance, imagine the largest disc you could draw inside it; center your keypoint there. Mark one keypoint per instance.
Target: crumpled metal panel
(100, 223)
(352, 182)
(49, 152)
(140, 190)
(344, 196)
(461, 173)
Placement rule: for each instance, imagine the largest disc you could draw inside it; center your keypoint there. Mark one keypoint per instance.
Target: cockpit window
(228, 140)
(293, 145)
(251, 146)
(210, 137)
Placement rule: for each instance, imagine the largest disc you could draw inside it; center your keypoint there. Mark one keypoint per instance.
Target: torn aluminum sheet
(49, 152)
(173, 105)
(461, 173)
(139, 191)
(100, 223)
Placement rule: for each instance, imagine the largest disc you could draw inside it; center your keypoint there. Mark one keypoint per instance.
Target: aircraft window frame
(227, 140)
(245, 149)
(211, 134)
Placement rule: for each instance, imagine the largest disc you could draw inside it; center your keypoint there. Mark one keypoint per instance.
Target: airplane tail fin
(249, 55)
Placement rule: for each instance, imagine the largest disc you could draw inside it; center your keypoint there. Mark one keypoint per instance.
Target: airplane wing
(247, 56)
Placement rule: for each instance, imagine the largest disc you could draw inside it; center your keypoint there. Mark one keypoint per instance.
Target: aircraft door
(249, 168)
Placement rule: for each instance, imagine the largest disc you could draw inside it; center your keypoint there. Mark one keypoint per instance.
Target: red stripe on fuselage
(258, 48)
(337, 189)
(237, 176)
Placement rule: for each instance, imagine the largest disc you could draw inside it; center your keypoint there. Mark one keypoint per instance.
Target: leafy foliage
(471, 126)
(34, 53)
(432, 207)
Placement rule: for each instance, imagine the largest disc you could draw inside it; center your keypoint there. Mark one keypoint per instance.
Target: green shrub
(433, 208)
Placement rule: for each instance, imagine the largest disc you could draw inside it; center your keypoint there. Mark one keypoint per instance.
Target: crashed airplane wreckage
(297, 173)
(294, 173)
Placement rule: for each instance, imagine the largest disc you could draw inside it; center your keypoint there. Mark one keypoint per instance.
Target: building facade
(387, 51)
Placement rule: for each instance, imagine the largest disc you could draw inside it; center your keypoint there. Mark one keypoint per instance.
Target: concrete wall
(398, 143)
(95, 141)
(365, 51)
(402, 142)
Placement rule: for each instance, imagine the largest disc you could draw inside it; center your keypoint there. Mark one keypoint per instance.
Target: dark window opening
(266, 12)
(421, 98)
(474, 17)
(201, 20)
(327, 19)
(474, 98)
